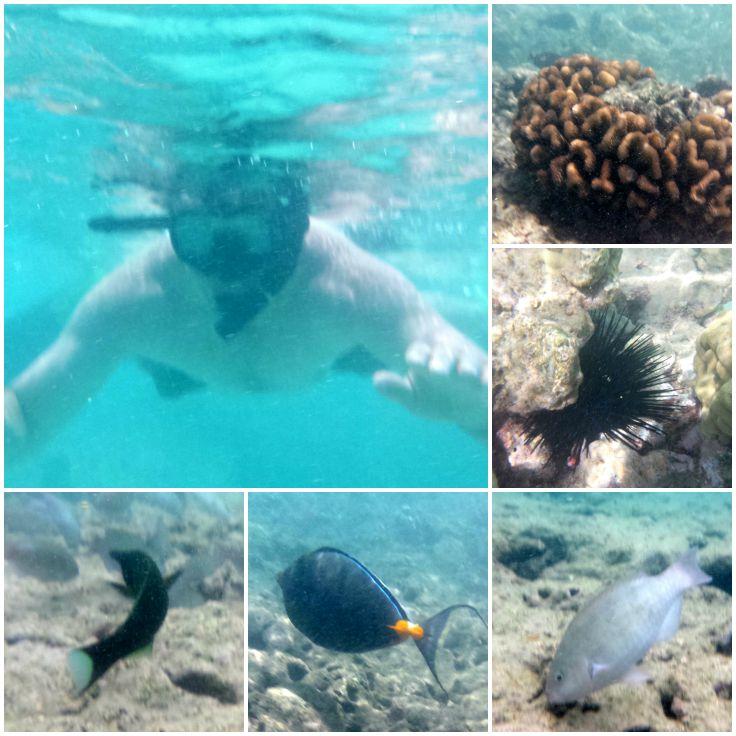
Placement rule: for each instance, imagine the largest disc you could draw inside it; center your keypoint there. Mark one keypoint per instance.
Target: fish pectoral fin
(596, 668)
(122, 588)
(671, 621)
(636, 676)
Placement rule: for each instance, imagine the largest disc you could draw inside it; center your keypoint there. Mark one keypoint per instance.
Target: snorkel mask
(242, 225)
(247, 217)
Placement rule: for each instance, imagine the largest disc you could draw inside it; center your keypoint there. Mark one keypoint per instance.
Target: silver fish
(613, 631)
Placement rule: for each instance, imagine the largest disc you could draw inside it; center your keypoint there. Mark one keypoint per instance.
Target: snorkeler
(244, 291)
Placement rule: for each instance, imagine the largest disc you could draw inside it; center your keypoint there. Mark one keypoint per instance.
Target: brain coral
(713, 373)
(583, 147)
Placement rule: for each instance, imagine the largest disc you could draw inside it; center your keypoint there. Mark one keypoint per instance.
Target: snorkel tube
(113, 224)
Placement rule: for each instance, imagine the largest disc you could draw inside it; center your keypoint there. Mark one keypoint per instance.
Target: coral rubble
(589, 150)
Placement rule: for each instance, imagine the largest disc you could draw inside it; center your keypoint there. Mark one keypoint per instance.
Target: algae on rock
(540, 322)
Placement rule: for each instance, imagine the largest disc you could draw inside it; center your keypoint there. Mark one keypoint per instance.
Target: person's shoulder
(139, 276)
(148, 263)
(128, 300)
(327, 245)
(323, 236)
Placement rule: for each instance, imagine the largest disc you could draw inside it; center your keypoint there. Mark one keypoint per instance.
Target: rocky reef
(635, 152)
(541, 301)
(295, 686)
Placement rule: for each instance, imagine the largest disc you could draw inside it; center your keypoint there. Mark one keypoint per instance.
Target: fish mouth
(552, 697)
(556, 699)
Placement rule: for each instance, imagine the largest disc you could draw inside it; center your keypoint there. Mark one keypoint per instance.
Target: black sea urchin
(624, 391)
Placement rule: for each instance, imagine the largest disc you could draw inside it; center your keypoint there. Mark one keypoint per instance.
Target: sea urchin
(625, 389)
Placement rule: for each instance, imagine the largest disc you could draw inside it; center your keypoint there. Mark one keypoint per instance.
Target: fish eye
(558, 676)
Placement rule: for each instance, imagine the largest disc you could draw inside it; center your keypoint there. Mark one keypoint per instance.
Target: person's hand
(446, 380)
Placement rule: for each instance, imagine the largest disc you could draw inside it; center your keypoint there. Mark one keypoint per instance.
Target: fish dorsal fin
(400, 612)
(433, 629)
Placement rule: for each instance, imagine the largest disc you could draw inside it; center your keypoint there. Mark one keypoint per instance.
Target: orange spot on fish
(407, 628)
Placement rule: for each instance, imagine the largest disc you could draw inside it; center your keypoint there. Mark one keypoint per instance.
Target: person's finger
(467, 367)
(418, 354)
(395, 387)
(442, 361)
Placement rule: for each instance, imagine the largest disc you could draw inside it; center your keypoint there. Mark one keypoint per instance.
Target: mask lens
(191, 236)
(231, 246)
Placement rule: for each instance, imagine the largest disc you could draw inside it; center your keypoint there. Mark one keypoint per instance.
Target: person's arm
(431, 368)
(65, 376)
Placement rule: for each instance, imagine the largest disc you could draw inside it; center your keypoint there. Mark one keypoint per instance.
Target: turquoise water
(437, 534)
(682, 42)
(667, 512)
(386, 103)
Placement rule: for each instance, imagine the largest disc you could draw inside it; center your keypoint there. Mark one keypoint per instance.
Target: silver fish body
(617, 628)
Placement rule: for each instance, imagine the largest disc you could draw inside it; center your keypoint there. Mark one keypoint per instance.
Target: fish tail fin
(688, 569)
(82, 668)
(433, 629)
(87, 665)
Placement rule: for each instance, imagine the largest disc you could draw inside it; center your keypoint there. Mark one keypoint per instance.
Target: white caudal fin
(689, 571)
(80, 666)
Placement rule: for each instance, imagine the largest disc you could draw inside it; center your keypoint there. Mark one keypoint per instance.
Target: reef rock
(279, 709)
(536, 339)
(529, 553)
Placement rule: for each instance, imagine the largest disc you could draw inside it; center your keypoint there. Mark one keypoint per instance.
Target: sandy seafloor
(430, 550)
(607, 536)
(199, 646)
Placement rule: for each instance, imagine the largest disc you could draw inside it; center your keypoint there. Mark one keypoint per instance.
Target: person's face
(230, 248)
